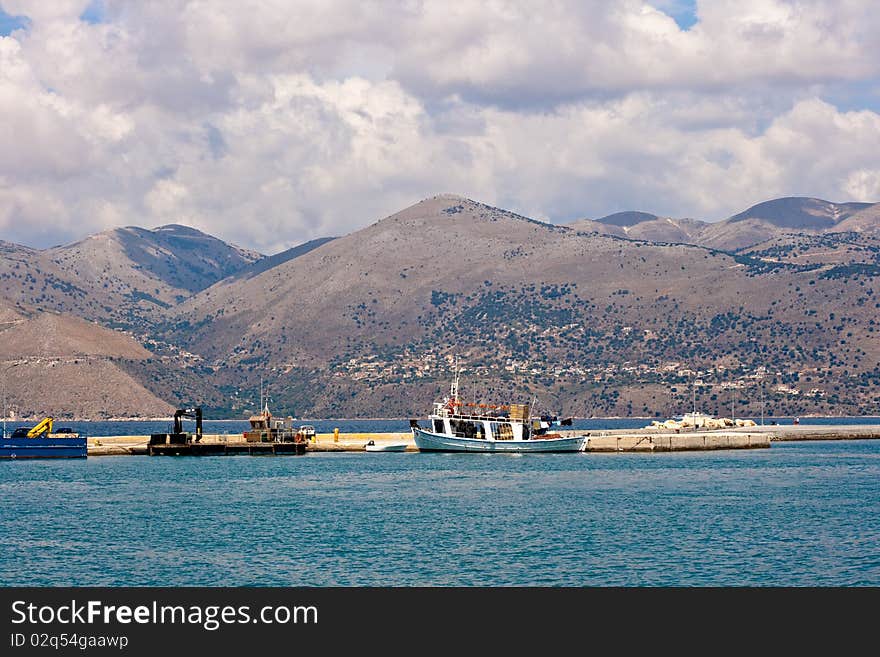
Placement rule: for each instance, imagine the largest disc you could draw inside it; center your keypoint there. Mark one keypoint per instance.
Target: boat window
(505, 431)
(438, 426)
(466, 429)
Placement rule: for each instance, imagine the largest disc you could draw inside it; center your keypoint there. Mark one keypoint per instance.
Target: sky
(275, 122)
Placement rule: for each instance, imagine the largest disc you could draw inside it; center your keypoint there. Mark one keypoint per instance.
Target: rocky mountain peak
(627, 219)
(798, 212)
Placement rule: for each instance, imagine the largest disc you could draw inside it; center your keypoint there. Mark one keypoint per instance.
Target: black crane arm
(195, 413)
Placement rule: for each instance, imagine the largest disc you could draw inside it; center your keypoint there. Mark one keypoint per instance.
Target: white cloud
(275, 122)
(863, 185)
(45, 12)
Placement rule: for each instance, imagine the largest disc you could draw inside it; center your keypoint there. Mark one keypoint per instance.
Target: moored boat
(267, 428)
(372, 446)
(495, 429)
(41, 442)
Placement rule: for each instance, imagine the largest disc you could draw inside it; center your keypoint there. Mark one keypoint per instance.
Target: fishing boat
(454, 427)
(267, 428)
(41, 442)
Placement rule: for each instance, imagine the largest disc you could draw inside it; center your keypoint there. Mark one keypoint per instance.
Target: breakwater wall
(667, 442)
(814, 432)
(324, 442)
(620, 440)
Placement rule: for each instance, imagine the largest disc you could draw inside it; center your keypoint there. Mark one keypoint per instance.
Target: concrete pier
(672, 442)
(618, 440)
(820, 432)
(653, 440)
(324, 442)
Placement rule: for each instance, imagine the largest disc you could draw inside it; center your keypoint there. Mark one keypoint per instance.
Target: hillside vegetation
(636, 316)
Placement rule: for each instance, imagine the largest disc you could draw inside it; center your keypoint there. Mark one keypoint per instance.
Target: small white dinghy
(387, 447)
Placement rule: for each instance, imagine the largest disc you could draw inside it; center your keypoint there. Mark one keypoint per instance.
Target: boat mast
(264, 398)
(453, 388)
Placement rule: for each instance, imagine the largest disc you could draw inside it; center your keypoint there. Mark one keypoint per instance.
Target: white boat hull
(428, 441)
(396, 447)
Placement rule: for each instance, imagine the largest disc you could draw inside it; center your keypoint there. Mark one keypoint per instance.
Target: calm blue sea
(797, 514)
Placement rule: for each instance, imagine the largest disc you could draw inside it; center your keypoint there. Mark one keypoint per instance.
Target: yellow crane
(45, 426)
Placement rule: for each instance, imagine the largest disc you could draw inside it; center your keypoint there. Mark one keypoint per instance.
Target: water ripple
(798, 514)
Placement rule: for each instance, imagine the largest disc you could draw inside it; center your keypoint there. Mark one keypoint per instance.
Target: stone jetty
(652, 439)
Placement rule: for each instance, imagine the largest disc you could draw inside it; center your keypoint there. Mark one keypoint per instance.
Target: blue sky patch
(10, 23)
(853, 95)
(683, 12)
(94, 13)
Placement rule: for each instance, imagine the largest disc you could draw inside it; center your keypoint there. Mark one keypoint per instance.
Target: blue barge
(43, 448)
(40, 442)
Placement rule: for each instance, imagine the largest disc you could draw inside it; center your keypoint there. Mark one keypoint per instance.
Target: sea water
(800, 514)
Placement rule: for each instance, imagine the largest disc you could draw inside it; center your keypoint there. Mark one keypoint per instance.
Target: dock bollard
(336, 435)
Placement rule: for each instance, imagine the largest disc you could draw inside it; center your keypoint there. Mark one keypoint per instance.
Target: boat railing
(482, 418)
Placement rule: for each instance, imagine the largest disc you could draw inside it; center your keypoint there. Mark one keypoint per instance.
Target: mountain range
(632, 313)
(757, 224)
(121, 277)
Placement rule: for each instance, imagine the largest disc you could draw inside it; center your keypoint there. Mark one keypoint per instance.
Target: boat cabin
(480, 427)
(266, 428)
